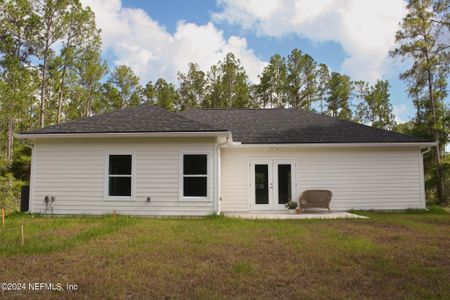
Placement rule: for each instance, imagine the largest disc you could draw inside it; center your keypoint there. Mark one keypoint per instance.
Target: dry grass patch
(402, 255)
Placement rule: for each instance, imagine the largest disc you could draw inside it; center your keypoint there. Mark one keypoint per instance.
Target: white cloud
(364, 28)
(401, 113)
(135, 39)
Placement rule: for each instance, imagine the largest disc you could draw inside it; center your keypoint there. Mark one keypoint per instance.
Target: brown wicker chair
(315, 199)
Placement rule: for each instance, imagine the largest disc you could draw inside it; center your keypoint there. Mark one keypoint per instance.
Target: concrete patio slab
(282, 216)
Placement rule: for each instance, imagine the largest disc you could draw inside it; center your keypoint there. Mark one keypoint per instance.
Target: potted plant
(291, 205)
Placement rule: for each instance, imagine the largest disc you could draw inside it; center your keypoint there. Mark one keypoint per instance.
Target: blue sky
(169, 13)
(157, 38)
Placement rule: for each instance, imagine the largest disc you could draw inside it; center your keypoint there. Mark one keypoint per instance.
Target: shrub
(291, 205)
(9, 192)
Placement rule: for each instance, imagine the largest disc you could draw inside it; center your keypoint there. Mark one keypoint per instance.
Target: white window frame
(107, 197)
(208, 175)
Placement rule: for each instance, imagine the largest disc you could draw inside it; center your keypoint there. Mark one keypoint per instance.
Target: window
(284, 183)
(119, 175)
(262, 184)
(195, 175)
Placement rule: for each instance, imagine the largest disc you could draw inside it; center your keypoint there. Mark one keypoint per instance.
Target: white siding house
(147, 161)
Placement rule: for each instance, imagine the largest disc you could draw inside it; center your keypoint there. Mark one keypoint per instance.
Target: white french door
(272, 183)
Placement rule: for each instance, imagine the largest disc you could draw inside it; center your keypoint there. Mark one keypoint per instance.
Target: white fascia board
(332, 145)
(31, 136)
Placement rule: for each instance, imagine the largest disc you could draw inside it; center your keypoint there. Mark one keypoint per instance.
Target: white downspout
(218, 181)
(426, 151)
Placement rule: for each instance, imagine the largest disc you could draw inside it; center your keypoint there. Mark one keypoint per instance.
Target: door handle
(271, 185)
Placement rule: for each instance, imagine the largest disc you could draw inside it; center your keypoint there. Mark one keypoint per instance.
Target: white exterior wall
(73, 171)
(360, 178)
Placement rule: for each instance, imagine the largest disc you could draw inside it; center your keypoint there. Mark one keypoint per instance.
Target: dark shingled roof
(278, 126)
(143, 118)
(248, 126)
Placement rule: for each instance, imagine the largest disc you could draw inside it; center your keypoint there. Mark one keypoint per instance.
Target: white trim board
(331, 145)
(32, 136)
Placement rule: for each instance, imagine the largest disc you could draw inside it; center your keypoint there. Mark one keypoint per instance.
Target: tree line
(51, 71)
(293, 82)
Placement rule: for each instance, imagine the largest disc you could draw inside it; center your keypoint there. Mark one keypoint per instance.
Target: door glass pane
(284, 184)
(261, 184)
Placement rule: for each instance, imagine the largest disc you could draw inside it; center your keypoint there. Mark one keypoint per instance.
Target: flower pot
(292, 211)
(298, 210)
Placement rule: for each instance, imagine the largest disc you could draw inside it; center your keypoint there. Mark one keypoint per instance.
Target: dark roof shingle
(248, 126)
(278, 126)
(143, 118)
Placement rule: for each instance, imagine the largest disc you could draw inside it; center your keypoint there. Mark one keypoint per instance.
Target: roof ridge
(186, 118)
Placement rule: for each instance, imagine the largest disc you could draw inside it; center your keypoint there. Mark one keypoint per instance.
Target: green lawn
(390, 256)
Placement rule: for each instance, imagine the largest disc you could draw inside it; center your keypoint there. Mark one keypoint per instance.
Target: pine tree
(339, 92)
(301, 80)
(192, 87)
(53, 25)
(272, 89)
(18, 26)
(90, 69)
(227, 85)
(423, 38)
(375, 107)
(122, 89)
(213, 97)
(165, 94)
(79, 33)
(148, 93)
(234, 84)
(322, 85)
